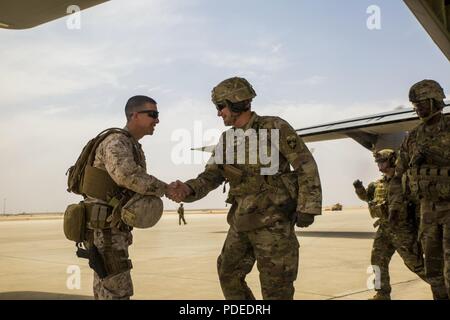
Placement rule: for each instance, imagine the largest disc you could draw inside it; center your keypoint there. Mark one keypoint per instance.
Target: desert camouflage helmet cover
(234, 90)
(142, 211)
(384, 155)
(426, 89)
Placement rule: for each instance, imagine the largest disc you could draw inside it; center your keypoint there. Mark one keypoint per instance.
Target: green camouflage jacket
(423, 165)
(261, 200)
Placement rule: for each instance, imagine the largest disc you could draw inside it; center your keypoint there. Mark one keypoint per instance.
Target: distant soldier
(402, 238)
(181, 214)
(423, 168)
(264, 205)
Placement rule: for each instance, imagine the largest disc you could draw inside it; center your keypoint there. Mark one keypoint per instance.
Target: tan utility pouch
(379, 210)
(98, 216)
(75, 222)
(430, 183)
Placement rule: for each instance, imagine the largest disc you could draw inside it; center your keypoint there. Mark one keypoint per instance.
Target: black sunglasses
(151, 113)
(221, 105)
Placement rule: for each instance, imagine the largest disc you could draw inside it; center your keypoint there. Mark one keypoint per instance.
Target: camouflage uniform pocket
(279, 197)
(427, 214)
(443, 188)
(290, 182)
(424, 187)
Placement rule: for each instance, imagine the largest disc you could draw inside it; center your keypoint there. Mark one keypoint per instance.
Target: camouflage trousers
(435, 238)
(275, 250)
(118, 286)
(389, 239)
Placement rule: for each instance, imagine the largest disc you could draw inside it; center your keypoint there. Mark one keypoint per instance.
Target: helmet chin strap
(432, 112)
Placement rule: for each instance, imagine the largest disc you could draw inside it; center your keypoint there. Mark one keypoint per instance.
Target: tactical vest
(378, 206)
(258, 200)
(98, 184)
(86, 180)
(81, 219)
(428, 176)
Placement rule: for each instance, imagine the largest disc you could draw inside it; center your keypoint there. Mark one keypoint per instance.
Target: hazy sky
(309, 61)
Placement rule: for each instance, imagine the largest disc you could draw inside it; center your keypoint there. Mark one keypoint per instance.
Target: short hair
(135, 103)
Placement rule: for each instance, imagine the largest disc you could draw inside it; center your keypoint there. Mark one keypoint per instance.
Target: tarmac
(179, 262)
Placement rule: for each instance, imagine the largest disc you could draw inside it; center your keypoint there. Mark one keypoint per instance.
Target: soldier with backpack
(119, 194)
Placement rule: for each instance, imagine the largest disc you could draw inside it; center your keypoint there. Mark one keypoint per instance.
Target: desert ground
(179, 262)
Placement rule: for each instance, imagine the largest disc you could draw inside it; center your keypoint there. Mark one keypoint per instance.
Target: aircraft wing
(378, 131)
(24, 14)
(435, 18)
(374, 132)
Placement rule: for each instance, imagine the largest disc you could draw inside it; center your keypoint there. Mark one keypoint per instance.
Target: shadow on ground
(34, 295)
(331, 234)
(336, 234)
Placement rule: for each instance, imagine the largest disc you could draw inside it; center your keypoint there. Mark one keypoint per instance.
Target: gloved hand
(304, 220)
(357, 184)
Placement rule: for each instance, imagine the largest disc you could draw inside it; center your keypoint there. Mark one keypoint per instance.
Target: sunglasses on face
(220, 106)
(151, 113)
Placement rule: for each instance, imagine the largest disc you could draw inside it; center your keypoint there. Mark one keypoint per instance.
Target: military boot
(381, 296)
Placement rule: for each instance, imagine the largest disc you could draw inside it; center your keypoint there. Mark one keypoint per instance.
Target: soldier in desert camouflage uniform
(401, 238)
(264, 207)
(122, 158)
(423, 168)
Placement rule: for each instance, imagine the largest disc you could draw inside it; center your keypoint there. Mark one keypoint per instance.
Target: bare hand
(177, 191)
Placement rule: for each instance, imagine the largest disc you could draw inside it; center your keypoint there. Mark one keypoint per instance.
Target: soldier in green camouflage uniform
(423, 168)
(264, 207)
(122, 157)
(181, 214)
(401, 238)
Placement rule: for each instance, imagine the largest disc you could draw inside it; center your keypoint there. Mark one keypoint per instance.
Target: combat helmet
(231, 92)
(385, 155)
(426, 89)
(142, 211)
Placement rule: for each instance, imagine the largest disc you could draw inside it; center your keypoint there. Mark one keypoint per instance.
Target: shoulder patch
(292, 141)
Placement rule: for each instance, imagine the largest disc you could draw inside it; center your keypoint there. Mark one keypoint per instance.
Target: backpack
(76, 172)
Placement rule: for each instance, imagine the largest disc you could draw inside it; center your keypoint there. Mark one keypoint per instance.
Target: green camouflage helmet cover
(385, 155)
(142, 211)
(234, 90)
(426, 89)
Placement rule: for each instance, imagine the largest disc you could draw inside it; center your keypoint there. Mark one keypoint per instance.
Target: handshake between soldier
(177, 191)
(264, 206)
(266, 201)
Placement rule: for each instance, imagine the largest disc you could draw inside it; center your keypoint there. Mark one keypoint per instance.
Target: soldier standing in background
(264, 207)
(181, 214)
(388, 239)
(423, 168)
